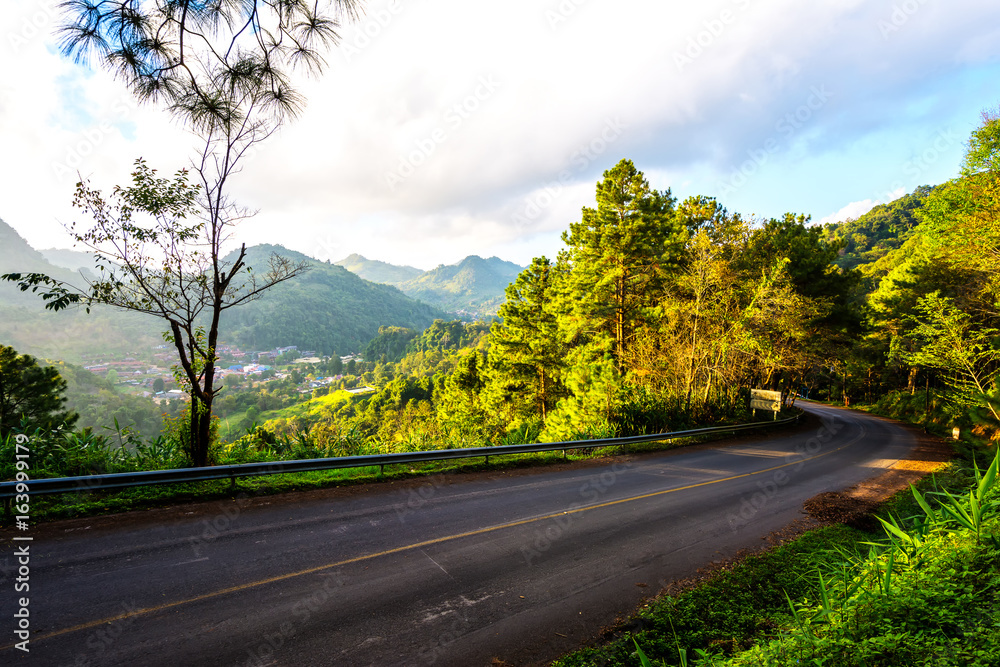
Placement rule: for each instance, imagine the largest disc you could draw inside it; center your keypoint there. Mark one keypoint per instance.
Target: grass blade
(988, 480)
(924, 505)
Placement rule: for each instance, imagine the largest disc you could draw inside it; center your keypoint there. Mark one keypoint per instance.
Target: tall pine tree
(620, 254)
(526, 350)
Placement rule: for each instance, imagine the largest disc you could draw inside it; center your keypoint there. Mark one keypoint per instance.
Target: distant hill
(475, 286)
(30, 329)
(378, 272)
(879, 231)
(74, 260)
(17, 256)
(326, 309)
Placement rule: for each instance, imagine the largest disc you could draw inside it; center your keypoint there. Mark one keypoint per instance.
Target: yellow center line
(438, 540)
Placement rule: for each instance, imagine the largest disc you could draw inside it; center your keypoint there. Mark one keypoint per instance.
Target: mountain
(475, 285)
(69, 334)
(17, 256)
(881, 230)
(378, 272)
(74, 260)
(325, 309)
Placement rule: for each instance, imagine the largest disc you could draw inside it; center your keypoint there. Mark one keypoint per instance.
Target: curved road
(453, 570)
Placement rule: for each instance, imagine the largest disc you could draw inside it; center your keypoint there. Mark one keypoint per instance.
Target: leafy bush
(935, 410)
(62, 452)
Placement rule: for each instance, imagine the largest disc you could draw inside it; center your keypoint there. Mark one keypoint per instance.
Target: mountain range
(473, 287)
(327, 308)
(68, 334)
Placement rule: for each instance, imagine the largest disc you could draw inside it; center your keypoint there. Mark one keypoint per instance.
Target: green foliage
(884, 228)
(657, 315)
(729, 612)
(620, 253)
(983, 149)
(526, 349)
(590, 409)
(460, 408)
(390, 343)
(931, 409)
(947, 339)
(926, 596)
(30, 393)
(61, 452)
(810, 268)
(444, 335)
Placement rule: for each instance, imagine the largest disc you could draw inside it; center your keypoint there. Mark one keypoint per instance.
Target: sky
(444, 128)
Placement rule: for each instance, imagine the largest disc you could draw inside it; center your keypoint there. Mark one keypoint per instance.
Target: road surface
(452, 570)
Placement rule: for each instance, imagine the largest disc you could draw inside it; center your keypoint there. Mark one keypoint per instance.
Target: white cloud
(856, 209)
(850, 212)
(699, 89)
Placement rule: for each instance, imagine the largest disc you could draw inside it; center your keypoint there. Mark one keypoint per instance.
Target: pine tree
(526, 349)
(620, 253)
(29, 391)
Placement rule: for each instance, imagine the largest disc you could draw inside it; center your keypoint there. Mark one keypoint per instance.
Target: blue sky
(444, 128)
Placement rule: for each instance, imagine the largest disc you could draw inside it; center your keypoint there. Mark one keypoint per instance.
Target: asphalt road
(453, 570)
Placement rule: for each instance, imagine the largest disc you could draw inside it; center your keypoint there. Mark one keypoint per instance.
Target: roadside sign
(762, 399)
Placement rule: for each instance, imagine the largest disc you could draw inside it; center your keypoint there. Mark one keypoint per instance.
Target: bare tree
(223, 69)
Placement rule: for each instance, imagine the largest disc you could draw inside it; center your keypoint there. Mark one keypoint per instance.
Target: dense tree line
(931, 309)
(660, 314)
(657, 314)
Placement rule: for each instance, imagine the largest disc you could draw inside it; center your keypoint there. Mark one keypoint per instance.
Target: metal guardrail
(132, 479)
